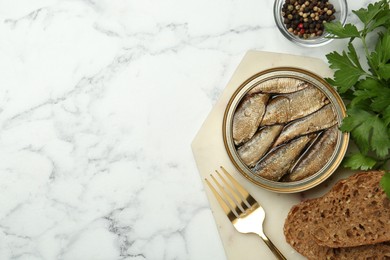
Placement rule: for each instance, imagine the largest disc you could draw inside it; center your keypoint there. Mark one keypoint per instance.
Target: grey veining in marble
(99, 102)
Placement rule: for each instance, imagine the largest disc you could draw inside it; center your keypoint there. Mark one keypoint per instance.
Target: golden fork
(241, 208)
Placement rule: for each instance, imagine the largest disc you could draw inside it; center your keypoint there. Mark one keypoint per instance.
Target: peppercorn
(305, 18)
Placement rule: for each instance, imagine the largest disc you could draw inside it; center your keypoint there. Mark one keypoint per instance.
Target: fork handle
(273, 248)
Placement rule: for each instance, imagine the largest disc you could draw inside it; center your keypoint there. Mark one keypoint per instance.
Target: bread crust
(298, 228)
(355, 212)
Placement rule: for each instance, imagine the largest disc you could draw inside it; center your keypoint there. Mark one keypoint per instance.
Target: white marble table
(99, 103)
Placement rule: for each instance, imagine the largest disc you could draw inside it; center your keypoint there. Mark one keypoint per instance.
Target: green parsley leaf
(380, 139)
(384, 71)
(382, 19)
(385, 183)
(370, 84)
(383, 47)
(373, 91)
(358, 127)
(382, 51)
(366, 15)
(353, 56)
(368, 112)
(359, 161)
(347, 73)
(386, 116)
(360, 96)
(368, 131)
(381, 100)
(339, 31)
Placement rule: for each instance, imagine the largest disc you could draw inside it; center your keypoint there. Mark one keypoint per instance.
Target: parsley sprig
(364, 83)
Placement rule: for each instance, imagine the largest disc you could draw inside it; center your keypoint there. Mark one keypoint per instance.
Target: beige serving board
(209, 152)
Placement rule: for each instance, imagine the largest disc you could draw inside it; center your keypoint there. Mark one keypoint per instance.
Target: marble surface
(99, 104)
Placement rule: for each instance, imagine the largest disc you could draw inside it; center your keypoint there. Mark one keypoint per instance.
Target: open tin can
(332, 162)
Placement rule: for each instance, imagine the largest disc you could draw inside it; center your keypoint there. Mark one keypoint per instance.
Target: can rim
(298, 73)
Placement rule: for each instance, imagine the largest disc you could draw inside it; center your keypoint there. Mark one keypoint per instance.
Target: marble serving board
(209, 152)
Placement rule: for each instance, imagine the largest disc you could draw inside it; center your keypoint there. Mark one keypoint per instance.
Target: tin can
(342, 138)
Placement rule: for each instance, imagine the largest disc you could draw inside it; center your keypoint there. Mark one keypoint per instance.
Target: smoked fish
(289, 107)
(317, 121)
(279, 85)
(248, 116)
(316, 157)
(251, 151)
(278, 162)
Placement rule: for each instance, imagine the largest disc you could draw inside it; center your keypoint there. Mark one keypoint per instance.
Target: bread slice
(297, 232)
(355, 212)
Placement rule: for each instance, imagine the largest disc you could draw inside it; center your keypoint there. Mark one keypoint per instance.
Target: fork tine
(241, 190)
(224, 194)
(224, 205)
(238, 200)
(234, 209)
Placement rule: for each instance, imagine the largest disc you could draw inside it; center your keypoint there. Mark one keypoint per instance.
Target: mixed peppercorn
(306, 18)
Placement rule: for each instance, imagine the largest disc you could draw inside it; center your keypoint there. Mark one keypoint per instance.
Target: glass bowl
(341, 11)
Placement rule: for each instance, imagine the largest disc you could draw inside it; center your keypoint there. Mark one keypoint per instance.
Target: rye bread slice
(355, 212)
(297, 232)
